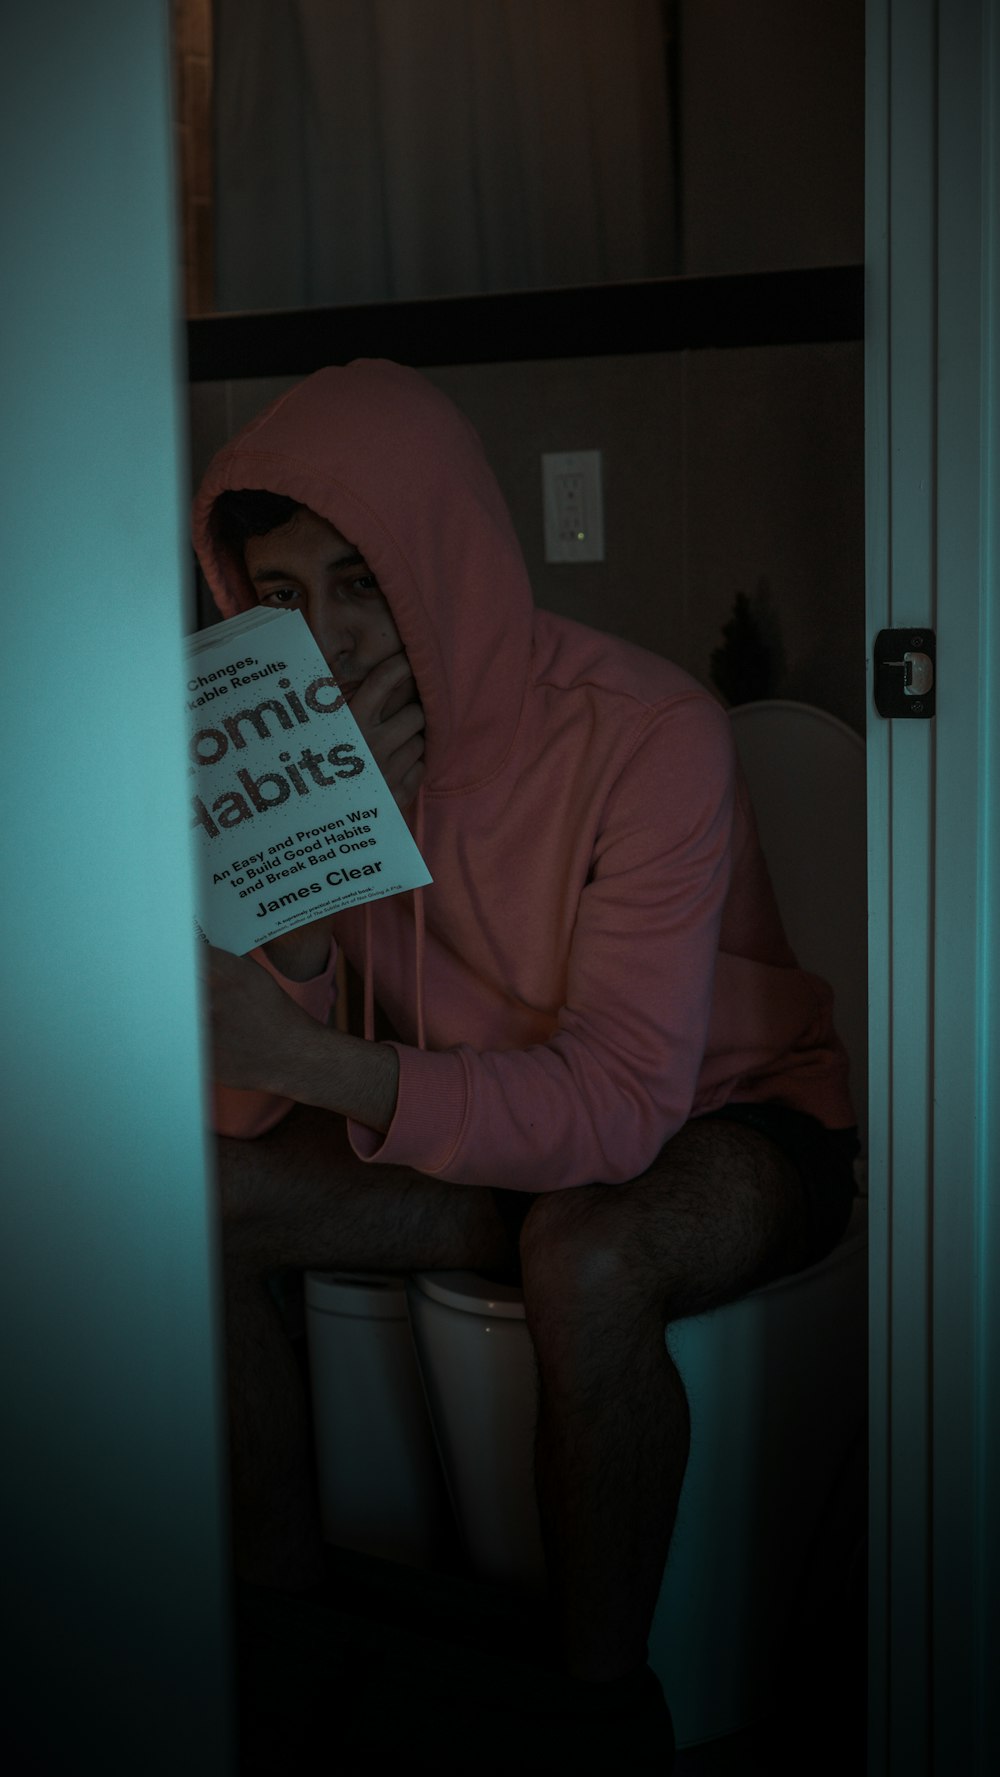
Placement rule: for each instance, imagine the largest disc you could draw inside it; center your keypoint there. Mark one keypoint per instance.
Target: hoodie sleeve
(618, 1076)
(249, 1114)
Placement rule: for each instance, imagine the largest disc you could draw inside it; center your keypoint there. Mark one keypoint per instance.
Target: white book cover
(291, 817)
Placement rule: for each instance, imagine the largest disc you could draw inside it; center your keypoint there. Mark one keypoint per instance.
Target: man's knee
(575, 1247)
(621, 1236)
(719, 1211)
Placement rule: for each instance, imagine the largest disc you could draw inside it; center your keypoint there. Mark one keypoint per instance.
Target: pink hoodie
(603, 955)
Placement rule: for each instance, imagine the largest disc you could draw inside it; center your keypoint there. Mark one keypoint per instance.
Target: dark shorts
(822, 1157)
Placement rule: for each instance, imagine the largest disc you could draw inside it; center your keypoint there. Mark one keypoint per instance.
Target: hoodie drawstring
(419, 922)
(419, 926)
(369, 983)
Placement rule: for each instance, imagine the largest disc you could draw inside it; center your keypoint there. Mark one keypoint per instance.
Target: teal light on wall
(112, 1497)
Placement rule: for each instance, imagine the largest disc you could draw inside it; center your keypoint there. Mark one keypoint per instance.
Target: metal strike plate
(905, 662)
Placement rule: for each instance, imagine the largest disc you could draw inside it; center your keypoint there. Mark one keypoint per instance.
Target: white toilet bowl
(381, 1487)
(776, 1385)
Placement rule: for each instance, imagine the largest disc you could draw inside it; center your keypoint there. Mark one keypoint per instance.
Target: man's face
(308, 566)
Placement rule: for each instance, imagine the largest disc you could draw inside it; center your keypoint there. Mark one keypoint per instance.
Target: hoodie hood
(378, 452)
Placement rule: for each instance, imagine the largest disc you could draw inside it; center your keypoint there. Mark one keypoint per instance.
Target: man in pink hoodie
(608, 1076)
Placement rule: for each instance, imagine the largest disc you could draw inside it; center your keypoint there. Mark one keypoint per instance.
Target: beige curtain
(369, 150)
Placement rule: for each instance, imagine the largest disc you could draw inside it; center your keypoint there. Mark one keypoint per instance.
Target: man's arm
(263, 1041)
(342, 1073)
(596, 1099)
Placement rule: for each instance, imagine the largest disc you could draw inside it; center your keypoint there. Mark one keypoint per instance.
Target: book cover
(291, 817)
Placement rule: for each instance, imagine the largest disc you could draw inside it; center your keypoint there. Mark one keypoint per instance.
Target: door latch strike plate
(905, 661)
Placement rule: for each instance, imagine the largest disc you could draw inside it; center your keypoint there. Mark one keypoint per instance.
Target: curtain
(370, 150)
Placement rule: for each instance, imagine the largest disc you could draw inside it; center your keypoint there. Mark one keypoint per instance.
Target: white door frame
(932, 489)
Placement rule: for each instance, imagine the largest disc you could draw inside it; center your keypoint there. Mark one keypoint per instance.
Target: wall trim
(823, 304)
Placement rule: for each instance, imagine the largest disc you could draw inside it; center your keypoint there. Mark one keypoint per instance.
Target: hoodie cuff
(430, 1115)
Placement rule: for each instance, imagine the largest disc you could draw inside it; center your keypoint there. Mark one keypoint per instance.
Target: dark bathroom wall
(724, 471)
(772, 133)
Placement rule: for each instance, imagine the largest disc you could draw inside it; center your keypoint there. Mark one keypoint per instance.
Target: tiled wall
(724, 472)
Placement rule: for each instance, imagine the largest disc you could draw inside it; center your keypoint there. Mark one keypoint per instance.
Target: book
(291, 817)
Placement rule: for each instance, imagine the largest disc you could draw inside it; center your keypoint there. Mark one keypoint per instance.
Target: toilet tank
(381, 1487)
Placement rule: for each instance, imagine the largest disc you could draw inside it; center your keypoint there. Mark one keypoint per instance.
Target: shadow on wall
(750, 664)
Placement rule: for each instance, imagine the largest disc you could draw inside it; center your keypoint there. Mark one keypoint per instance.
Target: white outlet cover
(573, 505)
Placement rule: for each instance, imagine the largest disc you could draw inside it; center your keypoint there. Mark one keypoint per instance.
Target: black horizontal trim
(656, 315)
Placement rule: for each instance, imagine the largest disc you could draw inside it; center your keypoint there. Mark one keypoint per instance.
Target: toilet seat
(471, 1293)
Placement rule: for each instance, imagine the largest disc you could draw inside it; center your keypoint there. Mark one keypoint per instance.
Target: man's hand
(254, 1027)
(262, 1040)
(387, 711)
(304, 953)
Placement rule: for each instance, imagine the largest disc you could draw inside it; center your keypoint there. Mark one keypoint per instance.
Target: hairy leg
(298, 1197)
(605, 1268)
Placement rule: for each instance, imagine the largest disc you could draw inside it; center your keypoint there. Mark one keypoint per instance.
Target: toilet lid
(370, 1295)
(471, 1293)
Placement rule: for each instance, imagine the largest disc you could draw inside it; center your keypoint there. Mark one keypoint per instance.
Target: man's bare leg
(299, 1197)
(605, 1268)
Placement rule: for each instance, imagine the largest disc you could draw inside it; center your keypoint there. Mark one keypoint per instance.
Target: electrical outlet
(573, 505)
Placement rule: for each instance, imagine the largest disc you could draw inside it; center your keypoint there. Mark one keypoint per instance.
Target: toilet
(382, 1489)
(776, 1385)
(772, 1515)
